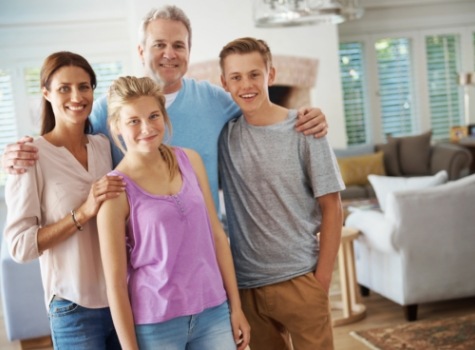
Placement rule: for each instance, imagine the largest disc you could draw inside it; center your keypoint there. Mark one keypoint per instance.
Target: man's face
(166, 53)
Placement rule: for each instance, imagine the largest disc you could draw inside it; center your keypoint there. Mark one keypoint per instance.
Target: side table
(350, 304)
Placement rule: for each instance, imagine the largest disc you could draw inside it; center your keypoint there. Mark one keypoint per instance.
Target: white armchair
(421, 248)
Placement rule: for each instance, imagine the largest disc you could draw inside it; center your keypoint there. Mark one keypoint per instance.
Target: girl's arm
(111, 223)
(241, 328)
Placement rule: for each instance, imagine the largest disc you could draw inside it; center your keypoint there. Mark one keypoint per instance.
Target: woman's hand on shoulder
(109, 186)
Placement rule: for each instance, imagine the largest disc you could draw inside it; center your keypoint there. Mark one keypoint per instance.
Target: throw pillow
(414, 153)
(391, 157)
(355, 170)
(383, 185)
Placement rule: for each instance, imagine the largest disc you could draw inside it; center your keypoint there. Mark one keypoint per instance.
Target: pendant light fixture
(284, 13)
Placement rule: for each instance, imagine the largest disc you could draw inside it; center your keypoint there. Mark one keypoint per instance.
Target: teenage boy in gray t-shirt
(281, 188)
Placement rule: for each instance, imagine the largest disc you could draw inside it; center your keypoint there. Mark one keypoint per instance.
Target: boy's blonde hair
(124, 91)
(246, 45)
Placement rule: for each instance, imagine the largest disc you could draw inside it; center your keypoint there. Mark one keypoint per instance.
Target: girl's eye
(132, 122)
(155, 116)
(63, 89)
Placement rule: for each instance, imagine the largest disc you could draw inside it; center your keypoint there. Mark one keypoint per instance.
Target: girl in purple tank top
(169, 272)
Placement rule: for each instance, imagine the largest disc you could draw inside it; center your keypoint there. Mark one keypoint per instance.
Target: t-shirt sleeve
(22, 196)
(322, 167)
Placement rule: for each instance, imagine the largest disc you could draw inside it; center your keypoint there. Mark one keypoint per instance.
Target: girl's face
(141, 124)
(71, 95)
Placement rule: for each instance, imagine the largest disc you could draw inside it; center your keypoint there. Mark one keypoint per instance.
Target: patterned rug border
(355, 335)
(399, 336)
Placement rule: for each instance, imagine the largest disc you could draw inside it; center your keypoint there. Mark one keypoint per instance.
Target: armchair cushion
(384, 185)
(414, 153)
(391, 157)
(355, 170)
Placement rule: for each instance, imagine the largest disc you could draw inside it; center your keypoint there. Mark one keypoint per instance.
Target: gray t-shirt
(271, 177)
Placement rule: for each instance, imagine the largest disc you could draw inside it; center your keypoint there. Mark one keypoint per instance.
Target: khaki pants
(298, 309)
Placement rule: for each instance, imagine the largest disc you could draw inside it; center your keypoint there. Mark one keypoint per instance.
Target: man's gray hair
(170, 12)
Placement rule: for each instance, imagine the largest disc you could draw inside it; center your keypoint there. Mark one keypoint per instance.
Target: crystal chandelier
(283, 13)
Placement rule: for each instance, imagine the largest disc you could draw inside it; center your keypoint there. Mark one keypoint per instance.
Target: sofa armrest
(453, 158)
(375, 229)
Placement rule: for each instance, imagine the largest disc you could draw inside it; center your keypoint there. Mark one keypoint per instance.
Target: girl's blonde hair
(126, 90)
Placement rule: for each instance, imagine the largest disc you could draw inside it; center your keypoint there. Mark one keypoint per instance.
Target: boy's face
(247, 78)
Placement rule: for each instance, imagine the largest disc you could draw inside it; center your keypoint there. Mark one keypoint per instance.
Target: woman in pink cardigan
(53, 205)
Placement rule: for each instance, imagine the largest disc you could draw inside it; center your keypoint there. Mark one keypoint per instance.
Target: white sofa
(422, 248)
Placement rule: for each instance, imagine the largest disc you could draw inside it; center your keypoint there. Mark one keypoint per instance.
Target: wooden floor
(380, 312)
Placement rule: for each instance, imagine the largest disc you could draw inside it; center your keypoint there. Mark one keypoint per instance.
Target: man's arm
(19, 155)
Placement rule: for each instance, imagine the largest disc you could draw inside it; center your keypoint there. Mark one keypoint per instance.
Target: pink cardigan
(46, 194)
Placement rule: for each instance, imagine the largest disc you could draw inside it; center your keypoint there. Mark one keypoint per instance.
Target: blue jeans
(210, 330)
(80, 328)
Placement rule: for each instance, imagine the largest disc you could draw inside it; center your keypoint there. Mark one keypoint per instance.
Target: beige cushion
(414, 153)
(384, 185)
(355, 170)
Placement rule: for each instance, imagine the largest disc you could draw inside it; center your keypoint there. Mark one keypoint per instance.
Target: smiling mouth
(248, 96)
(77, 108)
(168, 65)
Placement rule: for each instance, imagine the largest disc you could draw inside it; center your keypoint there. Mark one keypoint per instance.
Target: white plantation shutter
(106, 72)
(445, 97)
(354, 91)
(395, 85)
(8, 126)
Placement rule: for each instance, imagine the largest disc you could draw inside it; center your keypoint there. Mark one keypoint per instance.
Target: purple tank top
(172, 266)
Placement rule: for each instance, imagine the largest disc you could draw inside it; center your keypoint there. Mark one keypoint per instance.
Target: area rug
(455, 333)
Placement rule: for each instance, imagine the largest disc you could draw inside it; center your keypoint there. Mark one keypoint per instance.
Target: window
(395, 85)
(7, 116)
(415, 76)
(354, 92)
(106, 72)
(442, 52)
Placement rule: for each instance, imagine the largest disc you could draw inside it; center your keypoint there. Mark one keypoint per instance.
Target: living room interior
(347, 69)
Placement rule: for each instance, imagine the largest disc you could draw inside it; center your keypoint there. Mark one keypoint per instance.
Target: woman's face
(142, 125)
(71, 95)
